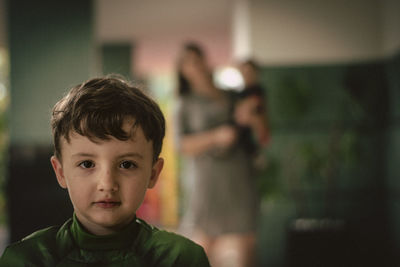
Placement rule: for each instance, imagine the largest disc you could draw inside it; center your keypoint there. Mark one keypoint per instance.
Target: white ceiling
(124, 19)
(158, 28)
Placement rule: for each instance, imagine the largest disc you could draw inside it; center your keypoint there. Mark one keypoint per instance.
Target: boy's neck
(99, 230)
(120, 239)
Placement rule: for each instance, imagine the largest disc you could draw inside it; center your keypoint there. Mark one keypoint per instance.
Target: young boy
(107, 139)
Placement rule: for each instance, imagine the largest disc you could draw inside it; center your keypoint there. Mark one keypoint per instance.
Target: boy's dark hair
(99, 107)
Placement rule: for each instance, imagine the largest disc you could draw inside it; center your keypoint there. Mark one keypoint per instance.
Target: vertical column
(241, 29)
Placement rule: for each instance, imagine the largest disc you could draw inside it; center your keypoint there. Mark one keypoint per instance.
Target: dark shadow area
(330, 151)
(35, 200)
(357, 244)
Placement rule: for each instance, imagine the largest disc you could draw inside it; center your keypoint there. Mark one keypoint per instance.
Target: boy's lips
(107, 203)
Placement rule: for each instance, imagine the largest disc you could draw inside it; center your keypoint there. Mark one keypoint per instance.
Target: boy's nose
(107, 181)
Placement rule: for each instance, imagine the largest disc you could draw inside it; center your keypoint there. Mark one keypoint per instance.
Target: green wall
(51, 49)
(333, 155)
(116, 59)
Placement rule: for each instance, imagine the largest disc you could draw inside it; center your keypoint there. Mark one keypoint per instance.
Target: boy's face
(107, 179)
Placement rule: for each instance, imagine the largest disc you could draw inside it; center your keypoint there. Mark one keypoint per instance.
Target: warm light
(228, 78)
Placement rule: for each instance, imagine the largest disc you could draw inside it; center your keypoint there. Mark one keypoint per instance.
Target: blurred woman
(223, 202)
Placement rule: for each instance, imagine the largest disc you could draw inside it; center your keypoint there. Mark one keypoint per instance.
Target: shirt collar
(120, 240)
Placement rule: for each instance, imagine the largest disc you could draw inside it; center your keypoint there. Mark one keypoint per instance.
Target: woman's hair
(183, 83)
(98, 108)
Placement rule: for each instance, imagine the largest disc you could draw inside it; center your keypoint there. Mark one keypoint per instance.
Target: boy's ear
(58, 169)
(155, 172)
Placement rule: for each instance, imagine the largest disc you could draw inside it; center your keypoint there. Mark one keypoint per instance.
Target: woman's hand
(225, 136)
(220, 137)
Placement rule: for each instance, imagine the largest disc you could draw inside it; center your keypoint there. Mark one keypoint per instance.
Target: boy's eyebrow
(129, 154)
(82, 154)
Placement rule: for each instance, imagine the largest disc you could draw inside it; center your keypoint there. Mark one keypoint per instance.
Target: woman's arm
(197, 143)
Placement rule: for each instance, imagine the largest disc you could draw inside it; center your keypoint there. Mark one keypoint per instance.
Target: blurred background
(330, 180)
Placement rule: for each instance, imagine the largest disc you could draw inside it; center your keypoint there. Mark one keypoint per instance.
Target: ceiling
(159, 28)
(125, 19)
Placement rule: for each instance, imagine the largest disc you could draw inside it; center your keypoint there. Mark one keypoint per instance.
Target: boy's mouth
(106, 204)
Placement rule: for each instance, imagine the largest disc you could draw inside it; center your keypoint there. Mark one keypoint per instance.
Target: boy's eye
(127, 165)
(86, 164)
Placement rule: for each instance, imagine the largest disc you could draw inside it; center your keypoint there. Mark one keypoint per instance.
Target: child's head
(249, 70)
(98, 108)
(107, 137)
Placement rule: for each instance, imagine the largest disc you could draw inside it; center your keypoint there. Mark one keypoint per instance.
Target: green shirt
(139, 244)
